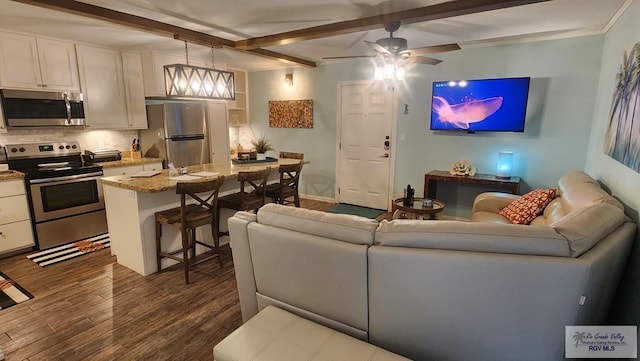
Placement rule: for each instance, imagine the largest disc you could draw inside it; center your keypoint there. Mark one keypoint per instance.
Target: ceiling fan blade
(378, 48)
(434, 49)
(348, 57)
(425, 60)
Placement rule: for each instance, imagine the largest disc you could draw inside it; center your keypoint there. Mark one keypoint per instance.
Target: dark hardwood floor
(91, 308)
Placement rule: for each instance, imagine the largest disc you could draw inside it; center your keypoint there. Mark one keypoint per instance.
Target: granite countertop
(10, 175)
(161, 182)
(128, 161)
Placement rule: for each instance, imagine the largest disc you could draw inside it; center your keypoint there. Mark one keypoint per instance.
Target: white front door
(363, 162)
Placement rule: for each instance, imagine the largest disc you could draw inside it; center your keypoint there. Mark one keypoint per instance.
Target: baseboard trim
(318, 198)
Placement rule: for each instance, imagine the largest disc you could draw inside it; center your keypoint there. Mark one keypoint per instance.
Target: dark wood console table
(432, 178)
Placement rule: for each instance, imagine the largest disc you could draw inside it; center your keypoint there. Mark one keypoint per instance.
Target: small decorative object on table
(427, 203)
(262, 146)
(408, 197)
(462, 167)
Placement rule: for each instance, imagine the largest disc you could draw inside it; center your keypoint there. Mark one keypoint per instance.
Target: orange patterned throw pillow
(524, 209)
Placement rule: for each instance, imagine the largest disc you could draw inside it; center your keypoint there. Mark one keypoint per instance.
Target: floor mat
(11, 293)
(355, 210)
(71, 250)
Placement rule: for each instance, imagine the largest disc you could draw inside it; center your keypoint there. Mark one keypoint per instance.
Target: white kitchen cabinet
(131, 169)
(15, 224)
(27, 62)
(112, 86)
(102, 81)
(218, 132)
(134, 89)
(152, 166)
(126, 170)
(153, 63)
(238, 112)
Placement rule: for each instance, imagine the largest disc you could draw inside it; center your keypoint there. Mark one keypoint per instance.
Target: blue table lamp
(505, 164)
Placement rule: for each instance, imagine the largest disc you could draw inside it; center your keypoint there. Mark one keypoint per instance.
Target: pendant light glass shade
(183, 80)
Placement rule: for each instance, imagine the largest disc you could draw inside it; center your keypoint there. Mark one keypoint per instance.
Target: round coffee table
(416, 210)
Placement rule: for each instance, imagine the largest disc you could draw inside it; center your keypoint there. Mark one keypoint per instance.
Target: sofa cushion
(577, 189)
(343, 227)
(586, 226)
(321, 275)
(524, 209)
(489, 217)
(472, 236)
(275, 334)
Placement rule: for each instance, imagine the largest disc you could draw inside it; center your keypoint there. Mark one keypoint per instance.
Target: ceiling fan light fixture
(389, 71)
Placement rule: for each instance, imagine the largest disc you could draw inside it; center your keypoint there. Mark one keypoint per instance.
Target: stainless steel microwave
(25, 108)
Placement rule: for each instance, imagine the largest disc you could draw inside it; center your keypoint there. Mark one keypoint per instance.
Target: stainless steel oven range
(65, 199)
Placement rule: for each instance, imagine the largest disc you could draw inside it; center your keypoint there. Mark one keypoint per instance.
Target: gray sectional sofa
(441, 290)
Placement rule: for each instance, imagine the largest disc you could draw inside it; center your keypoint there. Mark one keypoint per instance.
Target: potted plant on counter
(262, 146)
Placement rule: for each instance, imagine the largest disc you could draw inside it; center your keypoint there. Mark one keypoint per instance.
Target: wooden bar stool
(187, 218)
(292, 155)
(250, 197)
(288, 185)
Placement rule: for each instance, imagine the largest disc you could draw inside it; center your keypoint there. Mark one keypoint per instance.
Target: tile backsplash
(88, 139)
(241, 137)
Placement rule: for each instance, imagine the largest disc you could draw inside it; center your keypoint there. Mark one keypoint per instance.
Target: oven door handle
(79, 177)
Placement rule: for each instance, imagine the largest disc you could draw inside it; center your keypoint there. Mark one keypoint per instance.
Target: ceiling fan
(392, 48)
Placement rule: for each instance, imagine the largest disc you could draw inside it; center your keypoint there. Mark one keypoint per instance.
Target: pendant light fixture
(189, 81)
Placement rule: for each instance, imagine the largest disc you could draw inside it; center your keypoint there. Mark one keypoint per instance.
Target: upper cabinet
(27, 62)
(102, 80)
(112, 86)
(153, 63)
(134, 89)
(238, 112)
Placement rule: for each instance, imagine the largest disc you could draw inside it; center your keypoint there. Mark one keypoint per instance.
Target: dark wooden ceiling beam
(426, 13)
(153, 26)
(281, 57)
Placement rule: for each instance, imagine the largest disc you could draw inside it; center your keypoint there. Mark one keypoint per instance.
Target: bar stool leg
(158, 249)
(216, 242)
(185, 253)
(193, 243)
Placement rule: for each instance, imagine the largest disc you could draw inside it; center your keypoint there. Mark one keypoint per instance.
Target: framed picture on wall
(622, 140)
(291, 113)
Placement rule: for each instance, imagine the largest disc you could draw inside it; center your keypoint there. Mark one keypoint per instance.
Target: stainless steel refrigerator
(177, 133)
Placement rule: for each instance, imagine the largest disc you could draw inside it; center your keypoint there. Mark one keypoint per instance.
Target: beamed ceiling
(254, 35)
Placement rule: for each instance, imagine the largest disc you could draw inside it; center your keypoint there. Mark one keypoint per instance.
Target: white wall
(564, 81)
(623, 182)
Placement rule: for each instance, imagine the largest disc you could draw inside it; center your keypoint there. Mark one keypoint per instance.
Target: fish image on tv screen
(494, 105)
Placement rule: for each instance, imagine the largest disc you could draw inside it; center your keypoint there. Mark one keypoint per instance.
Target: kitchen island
(132, 202)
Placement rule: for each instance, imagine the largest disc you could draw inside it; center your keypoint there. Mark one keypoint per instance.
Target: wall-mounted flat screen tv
(491, 105)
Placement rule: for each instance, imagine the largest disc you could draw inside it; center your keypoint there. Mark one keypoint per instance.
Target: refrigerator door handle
(180, 138)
